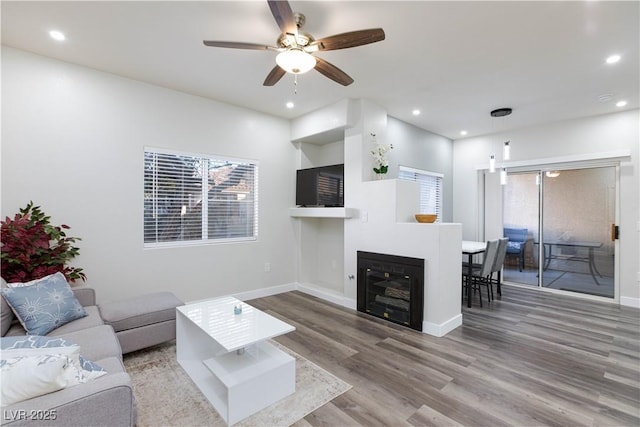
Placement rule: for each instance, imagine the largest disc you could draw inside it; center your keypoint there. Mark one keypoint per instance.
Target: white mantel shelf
(322, 212)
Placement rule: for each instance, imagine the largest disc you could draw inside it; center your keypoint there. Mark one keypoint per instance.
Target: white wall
(600, 134)
(72, 141)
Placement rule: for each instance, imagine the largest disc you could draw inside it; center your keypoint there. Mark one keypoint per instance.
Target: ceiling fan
(296, 47)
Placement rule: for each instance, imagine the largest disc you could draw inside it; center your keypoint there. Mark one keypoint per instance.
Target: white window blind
(430, 189)
(194, 199)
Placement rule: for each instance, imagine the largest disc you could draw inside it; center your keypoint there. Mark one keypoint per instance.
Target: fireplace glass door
(388, 295)
(391, 287)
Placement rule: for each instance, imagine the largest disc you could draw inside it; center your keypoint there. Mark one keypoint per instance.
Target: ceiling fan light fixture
(295, 61)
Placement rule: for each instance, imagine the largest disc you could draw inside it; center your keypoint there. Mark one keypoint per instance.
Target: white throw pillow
(72, 374)
(25, 377)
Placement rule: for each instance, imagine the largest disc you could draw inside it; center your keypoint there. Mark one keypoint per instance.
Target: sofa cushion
(140, 311)
(44, 305)
(6, 314)
(112, 365)
(85, 294)
(107, 401)
(96, 343)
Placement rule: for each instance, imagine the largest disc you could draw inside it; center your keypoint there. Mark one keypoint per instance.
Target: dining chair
(481, 276)
(497, 265)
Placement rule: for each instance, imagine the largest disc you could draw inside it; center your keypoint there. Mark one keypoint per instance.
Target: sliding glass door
(568, 219)
(521, 204)
(578, 211)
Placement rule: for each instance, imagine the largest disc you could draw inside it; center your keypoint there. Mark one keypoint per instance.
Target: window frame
(204, 239)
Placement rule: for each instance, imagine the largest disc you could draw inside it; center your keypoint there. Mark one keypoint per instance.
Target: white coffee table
(228, 357)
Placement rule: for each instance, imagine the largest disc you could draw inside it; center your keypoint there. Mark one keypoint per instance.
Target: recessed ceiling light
(613, 59)
(290, 105)
(57, 35)
(463, 132)
(621, 103)
(416, 112)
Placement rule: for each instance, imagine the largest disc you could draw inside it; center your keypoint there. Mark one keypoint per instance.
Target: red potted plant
(32, 248)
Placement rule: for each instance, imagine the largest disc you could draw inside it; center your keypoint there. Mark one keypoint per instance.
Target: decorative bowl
(426, 217)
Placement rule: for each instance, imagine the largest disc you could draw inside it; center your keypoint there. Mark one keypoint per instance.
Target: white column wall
(384, 225)
(383, 220)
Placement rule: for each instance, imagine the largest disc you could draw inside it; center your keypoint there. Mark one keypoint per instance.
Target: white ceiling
(455, 61)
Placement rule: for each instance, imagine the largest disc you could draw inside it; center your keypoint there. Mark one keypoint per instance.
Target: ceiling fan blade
(351, 39)
(236, 45)
(274, 76)
(333, 72)
(282, 13)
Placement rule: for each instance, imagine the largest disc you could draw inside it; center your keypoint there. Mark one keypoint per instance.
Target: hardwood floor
(529, 359)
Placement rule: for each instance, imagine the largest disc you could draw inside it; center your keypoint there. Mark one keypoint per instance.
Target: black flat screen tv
(321, 186)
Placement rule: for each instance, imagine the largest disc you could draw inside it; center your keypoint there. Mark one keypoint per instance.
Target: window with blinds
(195, 199)
(430, 189)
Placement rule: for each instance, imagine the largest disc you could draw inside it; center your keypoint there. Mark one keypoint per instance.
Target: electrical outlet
(267, 267)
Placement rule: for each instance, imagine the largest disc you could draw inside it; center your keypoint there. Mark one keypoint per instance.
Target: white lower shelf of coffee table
(243, 384)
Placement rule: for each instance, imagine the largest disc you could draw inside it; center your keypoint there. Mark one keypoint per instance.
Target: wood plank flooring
(528, 359)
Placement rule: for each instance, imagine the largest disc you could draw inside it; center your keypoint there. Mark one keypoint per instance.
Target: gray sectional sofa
(107, 400)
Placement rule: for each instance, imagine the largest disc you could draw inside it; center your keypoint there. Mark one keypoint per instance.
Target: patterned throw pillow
(44, 305)
(32, 282)
(91, 370)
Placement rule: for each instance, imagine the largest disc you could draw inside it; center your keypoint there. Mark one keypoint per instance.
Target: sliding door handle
(615, 232)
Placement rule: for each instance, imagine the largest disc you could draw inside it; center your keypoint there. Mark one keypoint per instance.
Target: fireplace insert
(391, 287)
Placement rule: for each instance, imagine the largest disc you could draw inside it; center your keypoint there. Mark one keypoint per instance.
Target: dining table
(471, 248)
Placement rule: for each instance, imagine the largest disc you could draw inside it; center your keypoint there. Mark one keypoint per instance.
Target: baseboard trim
(266, 292)
(630, 302)
(440, 330)
(327, 295)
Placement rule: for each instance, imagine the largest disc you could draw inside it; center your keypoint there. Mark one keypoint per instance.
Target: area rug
(166, 396)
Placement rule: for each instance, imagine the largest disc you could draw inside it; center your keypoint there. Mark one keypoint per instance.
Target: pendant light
(506, 148)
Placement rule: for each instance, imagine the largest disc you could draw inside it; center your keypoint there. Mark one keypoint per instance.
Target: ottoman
(142, 321)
